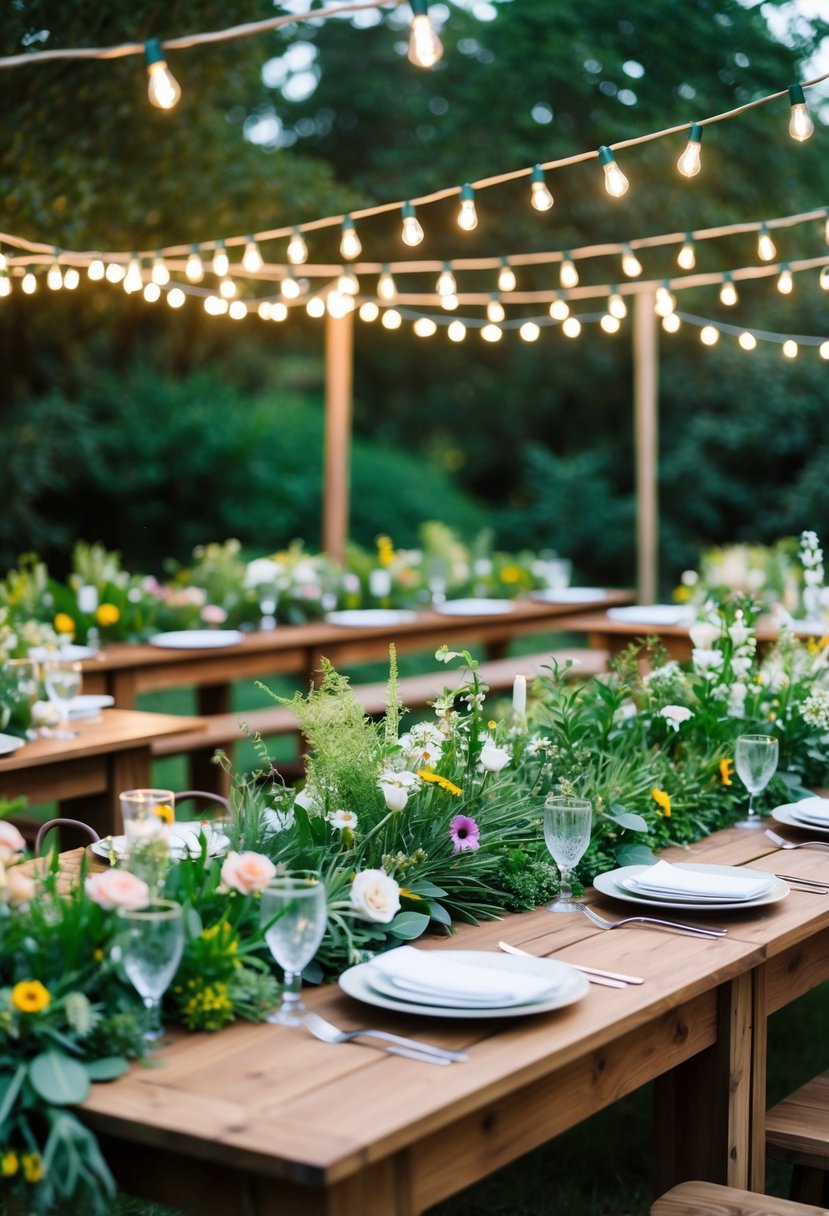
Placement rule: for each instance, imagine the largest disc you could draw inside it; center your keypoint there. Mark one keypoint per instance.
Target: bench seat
(711, 1199)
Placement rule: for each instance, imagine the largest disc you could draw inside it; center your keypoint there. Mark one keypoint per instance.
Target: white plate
(610, 883)
(568, 595)
(366, 617)
(42, 653)
(652, 614)
(571, 987)
(475, 607)
(814, 811)
(783, 814)
(183, 837)
(197, 639)
(87, 705)
(10, 743)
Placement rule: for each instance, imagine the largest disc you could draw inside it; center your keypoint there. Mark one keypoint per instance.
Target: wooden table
(266, 1120)
(85, 774)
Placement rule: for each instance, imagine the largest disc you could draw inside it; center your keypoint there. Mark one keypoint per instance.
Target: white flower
(493, 758)
(737, 700)
(707, 662)
(342, 819)
(739, 632)
(396, 787)
(703, 635)
(277, 821)
(375, 895)
(262, 570)
(741, 666)
(423, 747)
(674, 715)
(539, 744)
(309, 801)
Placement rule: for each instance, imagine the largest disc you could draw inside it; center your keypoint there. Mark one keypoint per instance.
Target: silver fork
(694, 930)
(795, 844)
(328, 1033)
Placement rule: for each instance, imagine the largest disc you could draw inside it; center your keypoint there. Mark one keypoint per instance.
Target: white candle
(519, 695)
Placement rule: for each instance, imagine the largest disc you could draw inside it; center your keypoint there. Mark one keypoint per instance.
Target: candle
(519, 695)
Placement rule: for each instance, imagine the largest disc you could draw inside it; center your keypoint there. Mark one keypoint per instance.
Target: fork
(694, 930)
(798, 844)
(328, 1033)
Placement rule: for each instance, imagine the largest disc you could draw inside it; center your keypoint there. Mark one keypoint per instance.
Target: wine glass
(755, 760)
(294, 913)
(62, 681)
(567, 824)
(152, 943)
(147, 815)
(24, 692)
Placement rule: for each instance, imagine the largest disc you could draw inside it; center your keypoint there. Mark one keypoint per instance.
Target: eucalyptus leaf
(626, 819)
(635, 855)
(438, 913)
(10, 1086)
(408, 925)
(58, 1079)
(107, 1068)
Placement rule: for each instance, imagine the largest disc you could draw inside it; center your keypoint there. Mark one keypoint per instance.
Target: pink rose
(247, 872)
(20, 888)
(11, 842)
(213, 614)
(117, 889)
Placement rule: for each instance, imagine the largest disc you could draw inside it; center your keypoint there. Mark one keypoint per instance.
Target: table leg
(204, 773)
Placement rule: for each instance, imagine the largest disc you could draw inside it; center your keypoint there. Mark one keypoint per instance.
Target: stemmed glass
(24, 693)
(755, 761)
(147, 815)
(152, 944)
(567, 824)
(294, 912)
(62, 680)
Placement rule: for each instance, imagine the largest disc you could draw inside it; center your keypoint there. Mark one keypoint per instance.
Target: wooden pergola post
(339, 349)
(646, 415)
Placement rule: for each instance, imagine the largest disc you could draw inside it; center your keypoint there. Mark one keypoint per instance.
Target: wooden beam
(646, 415)
(339, 348)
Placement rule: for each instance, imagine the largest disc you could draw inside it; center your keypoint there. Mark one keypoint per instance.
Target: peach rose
(20, 888)
(117, 889)
(11, 842)
(247, 872)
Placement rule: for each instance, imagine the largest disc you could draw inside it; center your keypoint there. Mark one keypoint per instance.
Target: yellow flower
(385, 550)
(511, 574)
(98, 955)
(107, 614)
(682, 594)
(726, 770)
(33, 1169)
(405, 893)
(426, 774)
(491, 724)
(164, 812)
(29, 996)
(9, 1164)
(663, 801)
(64, 623)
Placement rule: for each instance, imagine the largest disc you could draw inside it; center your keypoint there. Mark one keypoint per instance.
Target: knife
(611, 979)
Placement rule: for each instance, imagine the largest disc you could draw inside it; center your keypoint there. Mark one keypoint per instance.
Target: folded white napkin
(814, 809)
(433, 973)
(665, 879)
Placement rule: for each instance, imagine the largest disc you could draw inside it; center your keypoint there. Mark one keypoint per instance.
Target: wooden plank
(708, 1199)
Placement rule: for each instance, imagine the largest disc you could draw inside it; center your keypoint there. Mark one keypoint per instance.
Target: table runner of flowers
(414, 826)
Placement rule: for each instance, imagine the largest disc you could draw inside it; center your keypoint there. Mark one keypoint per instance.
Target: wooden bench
(797, 1131)
(710, 1199)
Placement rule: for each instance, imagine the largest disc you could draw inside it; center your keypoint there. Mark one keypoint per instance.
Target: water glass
(23, 692)
(755, 762)
(62, 681)
(148, 815)
(567, 823)
(151, 946)
(294, 914)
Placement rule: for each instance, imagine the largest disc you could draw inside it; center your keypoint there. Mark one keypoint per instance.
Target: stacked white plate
(652, 614)
(463, 983)
(475, 607)
(184, 841)
(692, 886)
(363, 618)
(89, 705)
(812, 814)
(569, 595)
(196, 639)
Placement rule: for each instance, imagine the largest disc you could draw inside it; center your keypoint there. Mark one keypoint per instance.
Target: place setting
(807, 814)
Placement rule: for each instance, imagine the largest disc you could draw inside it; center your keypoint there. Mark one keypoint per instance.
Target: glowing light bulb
(495, 311)
(687, 257)
(289, 287)
(96, 269)
(348, 284)
(785, 282)
(369, 311)
(616, 306)
(337, 305)
(559, 309)
(152, 292)
(610, 324)
(747, 340)
(449, 303)
(665, 302)
(571, 328)
(766, 248)
(115, 272)
(615, 182)
(790, 348)
(425, 48)
(689, 163)
(71, 278)
(568, 276)
(424, 327)
(728, 292)
(391, 319)
(800, 121)
(457, 332)
(279, 311)
(29, 283)
(133, 280)
(238, 310)
(709, 335)
(315, 307)
(228, 289)
(492, 333)
(350, 246)
(194, 267)
(823, 350)
(3, 262)
(5, 284)
(163, 89)
(252, 258)
(529, 331)
(631, 266)
(221, 262)
(671, 323)
(467, 216)
(215, 306)
(506, 277)
(159, 273)
(54, 277)
(386, 286)
(263, 311)
(176, 297)
(823, 278)
(412, 231)
(297, 252)
(446, 285)
(540, 195)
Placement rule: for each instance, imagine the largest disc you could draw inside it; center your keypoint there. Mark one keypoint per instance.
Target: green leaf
(424, 887)
(634, 855)
(58, 1079)
(626, 819)
(107, 1068)
(10, 1086)
(438, 913)
(408, 925)
(193, 923)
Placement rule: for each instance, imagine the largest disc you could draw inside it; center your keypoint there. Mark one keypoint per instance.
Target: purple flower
(464, 833)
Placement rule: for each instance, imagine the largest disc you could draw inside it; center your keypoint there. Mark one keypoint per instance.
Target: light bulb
(71, 278)
(446, 285)
(671, 323)
(467, 216)
(386, 286)
(665, 303)
(687, 256)
(297, 249)
(391, 319)
(238, 310)
(115, 272)
(559, 310)
(315, 307)
(228, 289)
(457, 332)
(176, 297)
(425, 48)
(5, 284)
(800, 122)
(279, 311)
(348, 284)
(96, 269)
(449, 303)
(506, 277)
(54, 277)
(424, 327)
(495, 311)
(133, 280)
(540, 196)
(615, 181)
(631, 266)
(568, 276)
(826, 229)
(766, 248)
(152, 292)
(823, 278)
(29, 283)
(571, 328)
(350, 246)
(785, 282)
(709, 335)
(492, 333)
(289, 287)
(252, 258)
(610, 325)
(790, 348)
(160, 274)
(3, 262)
(728, 292)
(194, 268)
(338, 305)
(369, 311)
(163, 89)
(823, 350)
(412, 231)
(747, 340)
(689, 162)
(215, 306)
(221, 262)
(529, 331)
(263, 311)
(616, 306)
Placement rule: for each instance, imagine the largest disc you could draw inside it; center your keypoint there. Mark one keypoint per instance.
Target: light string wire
(190, 40)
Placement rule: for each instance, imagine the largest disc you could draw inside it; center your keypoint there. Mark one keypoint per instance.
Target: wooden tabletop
(112, 730)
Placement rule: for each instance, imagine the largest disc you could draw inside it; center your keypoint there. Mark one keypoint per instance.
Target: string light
(425, 48)
(215, 306)
(728, 292)
(506, 277)
(689, 163)
(709, 335)
(446, 285)
(163, 89)
(457, 332)
(568, 276)
(54, 276)
(540, 195)
(348, 284)
(290, 287)
(800, 121)
(826, 227)
(412, 231)
(160, 274)
(279, 311)
(350, 245)
(29, 283)
(424, 327)
(228, 289)
(369, 311)
(297, 252)
(671, 323)
(766, 248)
(790, 348)
(391, 319)
(5, 284)
(823, 278)
(615, 182)
(194, 267)
(631, 266)
(71, 278)
(687, 257)
(152, 292)
(176, 297)
(115, 272)
(610, 324)
(221, 262)
(263, 312)
(3, 263)
(530, 332)
(823, 350)
(338, 305)
(386, 286)
(559, 309)
(449, 303)
(571, 328)
(785, 282)
(495, 310)
(238, 310)
(467, 215)
(616, 306)
(252, 258)
(747, 340)
(133, 280)
(492, 333)
(315, 307)
(96, 269)
(665, 302)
